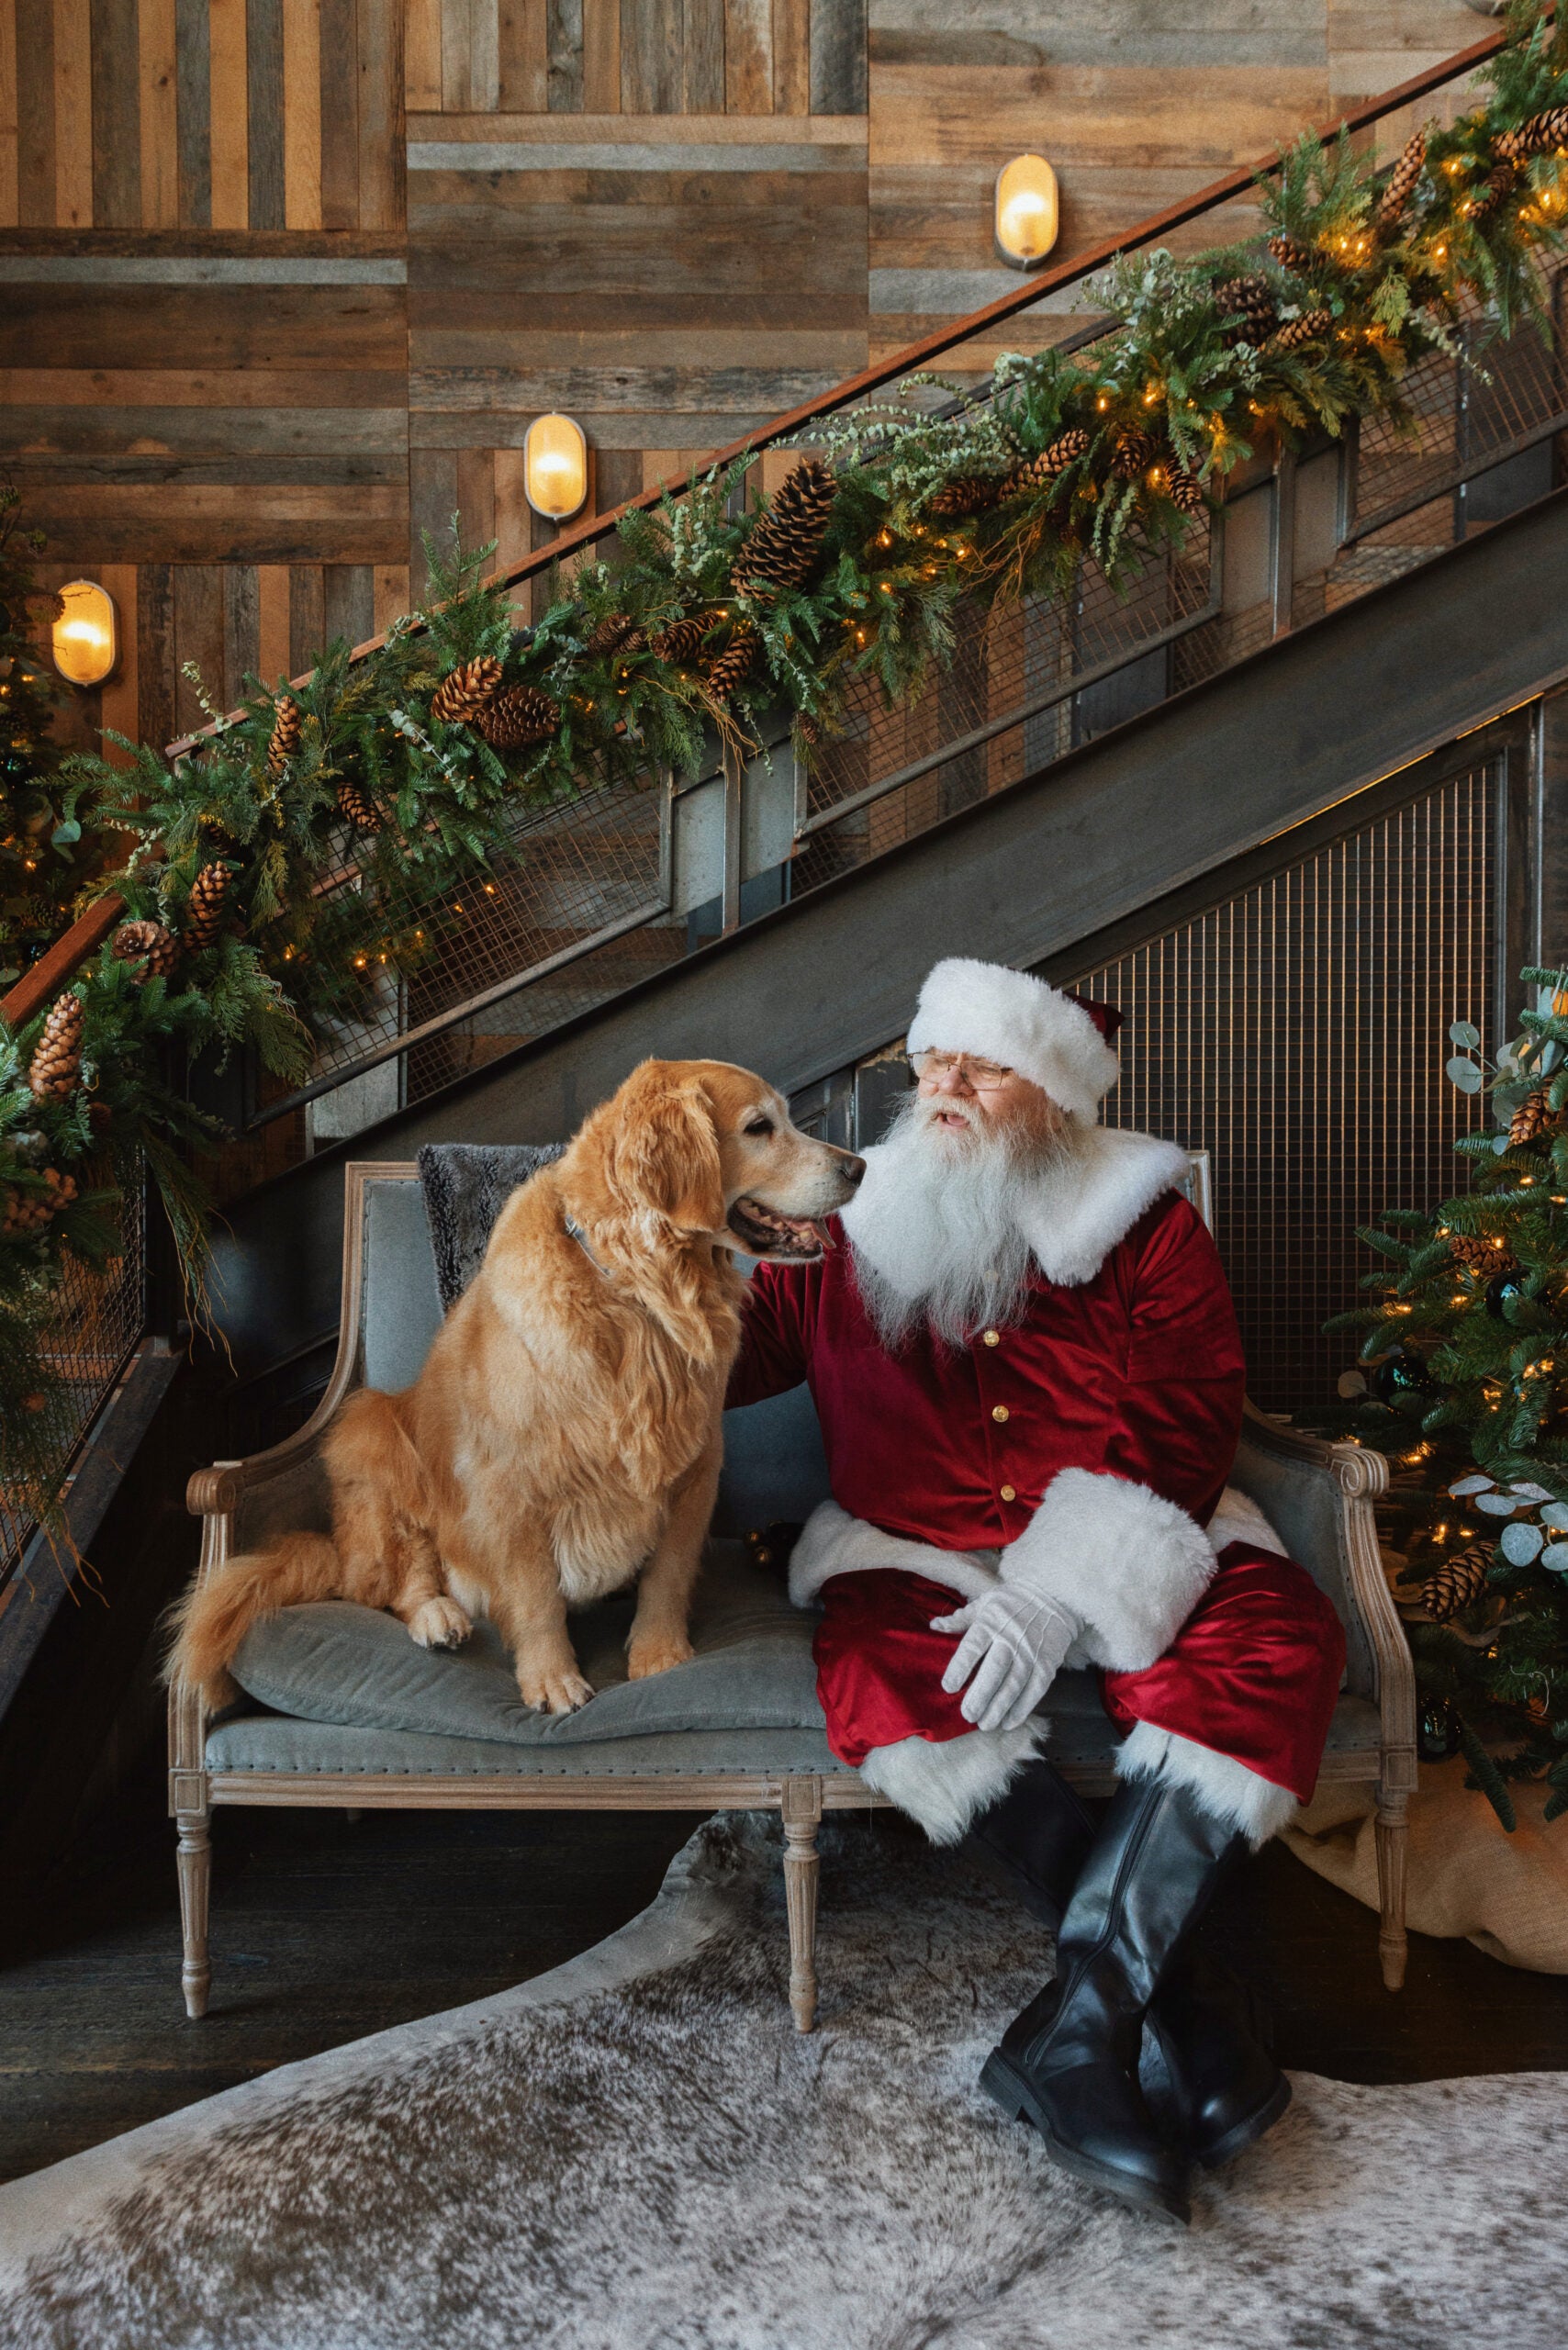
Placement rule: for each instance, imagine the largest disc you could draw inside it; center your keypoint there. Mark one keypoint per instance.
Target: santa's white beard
(935, 1228)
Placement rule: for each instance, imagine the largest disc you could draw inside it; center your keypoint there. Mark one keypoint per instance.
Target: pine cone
(965, 494)
(204, 908)
(25, 1211)
(1496, 185)
(519, 716)
(1251, 308)
(729, 671)
(1292, 253)
(1310, 327)
(610, 633)
(356, 808)
(1533, 138)
(1038, 472)
(1134, 453)
(1532, 1119)
(786, 541)
(154, 950)
(287, 721)
(1480, 1252)
(459, 699)
(1185, 490)
(807, 730)
(57, 1062)
(681, 642)
(1401, 185)
(1457, 1583)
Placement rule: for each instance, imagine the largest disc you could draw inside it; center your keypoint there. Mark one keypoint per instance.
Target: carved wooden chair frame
(196, 1791)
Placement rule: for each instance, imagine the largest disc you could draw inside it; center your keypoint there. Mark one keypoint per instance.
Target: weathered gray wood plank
(838, 56)
(264, 73)
(348, 602)
(193, 52)
(155, 652)
(241, 629)
(564, 24)
(117, 115)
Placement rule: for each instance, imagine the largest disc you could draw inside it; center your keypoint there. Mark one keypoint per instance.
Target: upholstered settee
(342, 1708)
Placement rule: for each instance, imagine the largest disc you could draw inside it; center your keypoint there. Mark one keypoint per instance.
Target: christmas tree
(36, 839)
(1465, 1385)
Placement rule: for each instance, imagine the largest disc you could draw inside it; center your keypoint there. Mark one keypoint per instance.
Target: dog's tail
(213, 1616)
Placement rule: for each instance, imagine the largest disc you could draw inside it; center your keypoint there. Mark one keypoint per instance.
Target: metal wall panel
(1298, 1033)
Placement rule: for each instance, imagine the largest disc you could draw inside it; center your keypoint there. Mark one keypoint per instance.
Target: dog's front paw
(439, 1624)
(657, 1652)
(553, 1689)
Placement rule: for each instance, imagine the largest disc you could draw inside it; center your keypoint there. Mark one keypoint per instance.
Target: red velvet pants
(1253, 1672)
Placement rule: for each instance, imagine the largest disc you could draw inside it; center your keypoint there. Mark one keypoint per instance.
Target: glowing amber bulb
(85, 638)
(554, 466)
(1026, 211)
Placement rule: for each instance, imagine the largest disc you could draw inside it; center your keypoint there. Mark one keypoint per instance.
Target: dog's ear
(665, 1154)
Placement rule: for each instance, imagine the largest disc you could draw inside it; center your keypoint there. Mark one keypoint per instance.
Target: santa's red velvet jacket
(1087, 1442)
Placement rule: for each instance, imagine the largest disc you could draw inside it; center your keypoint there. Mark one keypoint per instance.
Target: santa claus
(1029, 1379)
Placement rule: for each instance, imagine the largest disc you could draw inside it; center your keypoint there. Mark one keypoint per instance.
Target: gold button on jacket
(991, 1338)
(999, 1412)
(1009, 1492)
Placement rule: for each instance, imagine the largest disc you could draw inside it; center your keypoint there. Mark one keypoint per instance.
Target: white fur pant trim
(943, 1784)
(1231, 1793)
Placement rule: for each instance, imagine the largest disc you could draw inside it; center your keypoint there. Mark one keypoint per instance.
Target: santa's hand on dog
(1014, 1644)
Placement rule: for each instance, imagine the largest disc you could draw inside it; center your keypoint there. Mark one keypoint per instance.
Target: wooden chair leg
(801, 1807)
(1391, 1831)
(194, 1861)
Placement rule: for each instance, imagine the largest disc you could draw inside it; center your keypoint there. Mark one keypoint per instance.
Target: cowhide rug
(638, 2152)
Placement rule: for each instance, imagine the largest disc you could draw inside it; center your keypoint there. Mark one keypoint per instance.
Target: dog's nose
(853, 1169)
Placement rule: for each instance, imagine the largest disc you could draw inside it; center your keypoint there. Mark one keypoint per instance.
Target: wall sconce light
(554, 466)
(1025, 211)
(86, 639)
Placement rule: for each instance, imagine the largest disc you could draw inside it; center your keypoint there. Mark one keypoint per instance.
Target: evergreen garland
(337, 811)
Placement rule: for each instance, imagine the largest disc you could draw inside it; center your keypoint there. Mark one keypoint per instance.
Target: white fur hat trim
(1004, 1015)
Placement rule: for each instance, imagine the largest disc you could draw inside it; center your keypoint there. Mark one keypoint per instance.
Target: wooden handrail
(61, 961)
(72, 950)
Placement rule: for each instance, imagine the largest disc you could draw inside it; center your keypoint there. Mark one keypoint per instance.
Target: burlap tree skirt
(1507, 1894)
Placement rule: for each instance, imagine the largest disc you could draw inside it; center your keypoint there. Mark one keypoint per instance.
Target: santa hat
(1059, 1042)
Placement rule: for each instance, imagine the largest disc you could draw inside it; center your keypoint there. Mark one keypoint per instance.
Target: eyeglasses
(985, 1076)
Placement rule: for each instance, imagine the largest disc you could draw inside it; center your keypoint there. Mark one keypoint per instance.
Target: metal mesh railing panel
(578, 986)
(96, 1320)
(569, 875)
(1468, 413)
(1298, 1033)
(1029, 648)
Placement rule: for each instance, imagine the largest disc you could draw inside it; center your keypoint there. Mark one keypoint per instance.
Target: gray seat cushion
(277, 1742)
(333, 1662)
(350, 1691)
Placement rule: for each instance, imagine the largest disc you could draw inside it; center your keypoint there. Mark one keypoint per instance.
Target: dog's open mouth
(763, 1232)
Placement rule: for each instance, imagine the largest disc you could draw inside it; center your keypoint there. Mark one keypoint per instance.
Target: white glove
(1014, 1644)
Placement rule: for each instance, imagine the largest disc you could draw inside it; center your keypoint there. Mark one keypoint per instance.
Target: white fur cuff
(1130, 1565)
(943, 1784)
(1228, 1790)
(834, 1543)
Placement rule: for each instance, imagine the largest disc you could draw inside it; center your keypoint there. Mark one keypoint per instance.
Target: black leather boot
(1214, 2035)
(1213, 2030)
(1070, 2063)
(1033, 1840)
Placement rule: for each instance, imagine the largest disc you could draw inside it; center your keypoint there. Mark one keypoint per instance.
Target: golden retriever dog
(564, 1436)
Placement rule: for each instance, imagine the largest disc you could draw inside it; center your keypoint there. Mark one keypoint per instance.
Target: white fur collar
(1080, 1207)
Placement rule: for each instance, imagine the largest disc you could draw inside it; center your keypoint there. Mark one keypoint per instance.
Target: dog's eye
(760, 1126)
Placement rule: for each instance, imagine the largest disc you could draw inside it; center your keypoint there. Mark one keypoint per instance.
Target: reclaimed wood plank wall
(284, 282)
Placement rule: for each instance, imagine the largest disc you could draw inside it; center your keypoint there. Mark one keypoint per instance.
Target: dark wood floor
(324, 1930)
